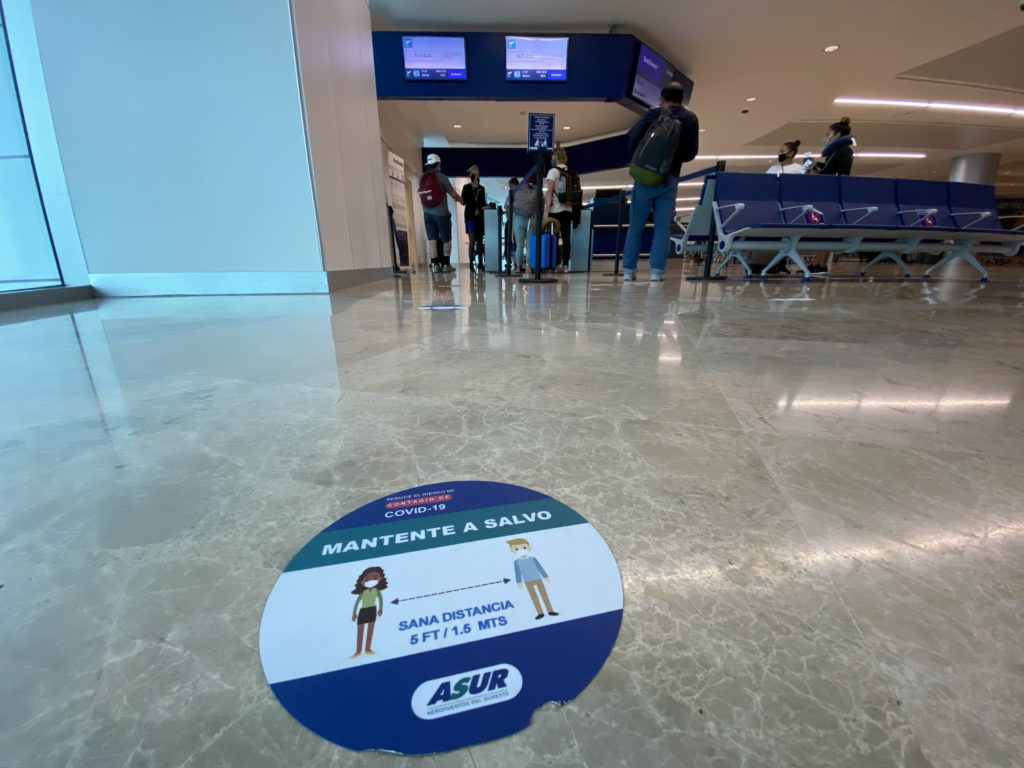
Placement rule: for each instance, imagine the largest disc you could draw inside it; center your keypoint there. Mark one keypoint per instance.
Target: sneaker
(433, 268)
(657, 278)
(628, 276)
(560, 268)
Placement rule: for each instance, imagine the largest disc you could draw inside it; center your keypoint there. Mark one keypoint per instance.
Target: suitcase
(548, 250)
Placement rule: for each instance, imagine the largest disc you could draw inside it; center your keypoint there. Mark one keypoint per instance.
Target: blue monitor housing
(430, 57)
(654, 72)
(536, 58)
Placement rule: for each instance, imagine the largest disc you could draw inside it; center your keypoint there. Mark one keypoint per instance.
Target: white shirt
(778, 169)
(554, 175)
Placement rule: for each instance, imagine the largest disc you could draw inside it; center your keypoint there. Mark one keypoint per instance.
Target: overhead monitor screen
(536, 58)
(652, 74)
(434, 58)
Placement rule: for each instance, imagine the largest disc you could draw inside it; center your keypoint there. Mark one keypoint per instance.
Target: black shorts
(367, 615)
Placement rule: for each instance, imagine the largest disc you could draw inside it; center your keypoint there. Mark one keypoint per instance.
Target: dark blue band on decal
(369, 707)
(466, 494)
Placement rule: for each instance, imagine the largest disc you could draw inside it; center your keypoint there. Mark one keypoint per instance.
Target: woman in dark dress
(837, 156)
(474, 197)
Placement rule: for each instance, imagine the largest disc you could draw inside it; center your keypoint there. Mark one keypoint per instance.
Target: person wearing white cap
(434, 190)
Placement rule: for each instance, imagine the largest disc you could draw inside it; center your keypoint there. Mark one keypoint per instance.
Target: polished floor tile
(813, 493)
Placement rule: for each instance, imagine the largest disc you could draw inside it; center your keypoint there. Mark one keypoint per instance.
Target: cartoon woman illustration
(369, 605)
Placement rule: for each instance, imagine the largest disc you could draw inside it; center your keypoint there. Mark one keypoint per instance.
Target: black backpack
(652, 158)
(572, 192)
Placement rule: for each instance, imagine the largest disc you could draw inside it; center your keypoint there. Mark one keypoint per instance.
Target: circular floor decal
(440, 617)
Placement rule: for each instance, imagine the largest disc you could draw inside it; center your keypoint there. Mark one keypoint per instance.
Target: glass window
(26, 250)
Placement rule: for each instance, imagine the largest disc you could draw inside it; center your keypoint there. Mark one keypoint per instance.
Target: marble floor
(814, 494)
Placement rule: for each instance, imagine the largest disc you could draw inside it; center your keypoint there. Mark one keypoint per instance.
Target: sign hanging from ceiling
(440, 617)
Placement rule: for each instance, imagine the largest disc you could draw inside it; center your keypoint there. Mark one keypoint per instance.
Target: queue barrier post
(538, 219)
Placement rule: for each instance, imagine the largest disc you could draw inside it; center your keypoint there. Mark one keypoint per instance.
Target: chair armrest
(738, 206)
(802, 208)
(1019, 227)
(868, 210)
(980, 216)
(924, 213)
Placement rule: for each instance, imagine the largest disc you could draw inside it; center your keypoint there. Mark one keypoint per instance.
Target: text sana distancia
(384, 540)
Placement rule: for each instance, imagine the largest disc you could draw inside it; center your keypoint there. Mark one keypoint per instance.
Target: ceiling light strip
(858, 153)
(990, 109)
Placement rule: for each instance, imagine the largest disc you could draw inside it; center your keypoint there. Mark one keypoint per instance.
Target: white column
(979, 168)
(335, 51)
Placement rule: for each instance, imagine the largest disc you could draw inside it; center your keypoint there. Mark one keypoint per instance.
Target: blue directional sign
(541, 132)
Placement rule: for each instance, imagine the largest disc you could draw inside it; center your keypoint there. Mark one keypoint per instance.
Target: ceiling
(930, 50)
(504, 122)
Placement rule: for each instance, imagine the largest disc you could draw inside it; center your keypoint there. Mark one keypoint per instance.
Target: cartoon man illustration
(529, 571)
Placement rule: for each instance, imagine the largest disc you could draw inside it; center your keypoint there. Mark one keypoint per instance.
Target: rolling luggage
(548, 250)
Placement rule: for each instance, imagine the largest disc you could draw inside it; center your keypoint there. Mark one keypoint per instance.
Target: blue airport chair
(924, 204)
(800, 195)
(870, 204)
(749, 218)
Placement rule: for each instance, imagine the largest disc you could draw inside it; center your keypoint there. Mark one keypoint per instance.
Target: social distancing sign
(440, 617)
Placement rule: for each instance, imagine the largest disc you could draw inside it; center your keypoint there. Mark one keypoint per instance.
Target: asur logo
(475, 688)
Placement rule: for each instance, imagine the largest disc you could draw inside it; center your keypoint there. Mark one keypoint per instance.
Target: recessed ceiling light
(566, 127)
(752, 98)
(702, 130)
(993, 109)
(831, 48)
(456, 126)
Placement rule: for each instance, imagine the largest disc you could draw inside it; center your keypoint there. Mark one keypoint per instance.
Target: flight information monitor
(434, 58)
(536, 58)
(652, 74)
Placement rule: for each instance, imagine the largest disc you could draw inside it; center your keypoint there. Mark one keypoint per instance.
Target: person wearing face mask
(787, 159)
(837, 156)
(369, 606)
(474, 198)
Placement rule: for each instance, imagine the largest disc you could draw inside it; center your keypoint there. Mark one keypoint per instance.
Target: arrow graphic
(396, 601)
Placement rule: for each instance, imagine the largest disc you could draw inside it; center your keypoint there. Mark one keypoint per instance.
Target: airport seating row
(793, 214)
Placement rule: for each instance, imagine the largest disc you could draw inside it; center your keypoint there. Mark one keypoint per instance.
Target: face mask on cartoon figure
(370, 583)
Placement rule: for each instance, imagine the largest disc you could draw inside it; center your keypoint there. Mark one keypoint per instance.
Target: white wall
(397, 133)
(180, 129)
(335, 51)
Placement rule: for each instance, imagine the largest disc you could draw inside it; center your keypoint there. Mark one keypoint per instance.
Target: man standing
(529, 571)
(651, 129)
(437, 219)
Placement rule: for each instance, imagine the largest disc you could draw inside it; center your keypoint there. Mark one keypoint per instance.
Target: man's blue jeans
(663, 200)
